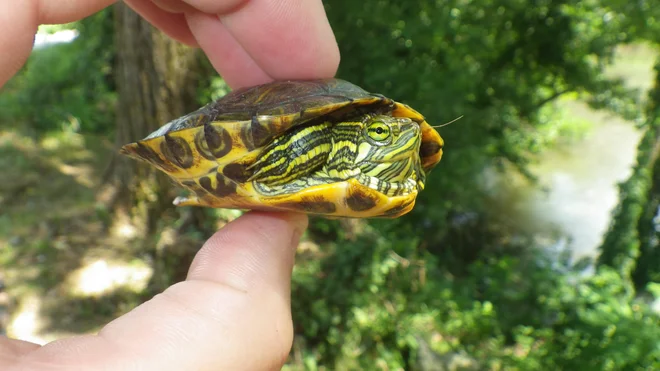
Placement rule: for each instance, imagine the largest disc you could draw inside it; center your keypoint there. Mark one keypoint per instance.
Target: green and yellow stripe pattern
(381, 152)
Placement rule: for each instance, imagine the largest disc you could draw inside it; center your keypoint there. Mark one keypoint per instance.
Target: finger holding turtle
(293, 40)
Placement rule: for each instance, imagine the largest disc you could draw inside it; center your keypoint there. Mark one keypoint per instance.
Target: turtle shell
(210, 151)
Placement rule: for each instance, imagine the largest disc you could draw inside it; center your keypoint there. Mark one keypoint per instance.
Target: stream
(578, 182)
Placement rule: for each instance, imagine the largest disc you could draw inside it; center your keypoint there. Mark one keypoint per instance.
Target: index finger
(255, 41)
(19, 21)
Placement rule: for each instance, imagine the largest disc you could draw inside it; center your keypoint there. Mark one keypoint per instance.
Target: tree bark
(157, 80)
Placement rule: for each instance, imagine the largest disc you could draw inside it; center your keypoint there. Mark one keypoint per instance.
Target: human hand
(233, 311)
(249, 42)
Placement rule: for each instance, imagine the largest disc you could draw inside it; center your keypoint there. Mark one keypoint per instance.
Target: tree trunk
(157, 79)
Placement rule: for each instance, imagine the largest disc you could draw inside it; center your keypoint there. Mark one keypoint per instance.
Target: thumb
(232, 313)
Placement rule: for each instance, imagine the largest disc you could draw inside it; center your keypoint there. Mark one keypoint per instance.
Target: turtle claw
(188, 201)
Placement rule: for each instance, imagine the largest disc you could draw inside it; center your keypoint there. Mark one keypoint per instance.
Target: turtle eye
(378, 131)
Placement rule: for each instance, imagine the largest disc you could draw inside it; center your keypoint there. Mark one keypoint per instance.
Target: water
(578, 183)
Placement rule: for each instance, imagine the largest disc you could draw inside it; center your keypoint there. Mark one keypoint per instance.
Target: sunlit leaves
(66, 83)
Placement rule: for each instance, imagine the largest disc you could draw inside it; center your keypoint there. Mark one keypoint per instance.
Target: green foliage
(647, 269)
(595, 327)
(631, 244)
(362, 305)
(621, 246)
(66, 86)
(638, 18)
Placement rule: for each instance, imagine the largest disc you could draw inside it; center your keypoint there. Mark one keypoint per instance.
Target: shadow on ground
(62, 271)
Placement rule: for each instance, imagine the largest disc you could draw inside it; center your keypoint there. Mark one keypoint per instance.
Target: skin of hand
(233, 310)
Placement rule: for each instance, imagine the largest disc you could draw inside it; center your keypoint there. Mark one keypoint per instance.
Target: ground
(55, 253)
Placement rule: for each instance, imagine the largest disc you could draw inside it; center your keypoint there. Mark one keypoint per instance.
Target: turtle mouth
(390, 160)
(390, 188)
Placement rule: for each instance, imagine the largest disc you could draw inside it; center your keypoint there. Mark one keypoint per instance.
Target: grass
(64, 268)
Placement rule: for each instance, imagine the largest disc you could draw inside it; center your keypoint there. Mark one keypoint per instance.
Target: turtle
(323, 147)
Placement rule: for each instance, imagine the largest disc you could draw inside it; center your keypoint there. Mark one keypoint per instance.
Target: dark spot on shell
(149, 155)
(202, 146)
(246, 137)
(397, 209)
(261, 132)
(428, 149)
(237, 172)
(205, 182)
(314, 207)
(359, 200)
(189, 184)
(217, 140)
(224, 186)
(195, 188)
(177, 151)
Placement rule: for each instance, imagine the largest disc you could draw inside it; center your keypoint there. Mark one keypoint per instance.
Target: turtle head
(388, 149)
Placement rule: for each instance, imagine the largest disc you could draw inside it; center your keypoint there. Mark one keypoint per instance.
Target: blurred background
(534, 246)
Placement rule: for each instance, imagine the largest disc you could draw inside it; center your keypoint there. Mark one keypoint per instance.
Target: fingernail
(295, 239)
(300, 221)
